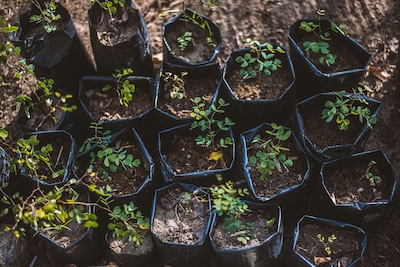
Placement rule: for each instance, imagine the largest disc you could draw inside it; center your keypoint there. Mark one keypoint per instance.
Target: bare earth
(375, 24)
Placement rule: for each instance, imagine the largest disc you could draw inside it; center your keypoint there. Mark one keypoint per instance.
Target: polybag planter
(251, 113)
(309, 79)
(316, 104)
(268, 253)
(208, 73)
(96, 83)
(170, 55)
(293, 199)
(59, 55)
(297, 259)
(135, 52)
(367, 215)
(181, 254)
(143, 195)
(200, 177)
(84, 250)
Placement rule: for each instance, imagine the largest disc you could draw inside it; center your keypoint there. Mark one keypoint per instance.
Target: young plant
(326, 242)
(373, 179)
(43, 211)
(128, 221)
(48, 16)
(260, 59)
(184, 40)
(347, 105)
(226, 202)
(206, 119)
(270, 151)
(321, 45)
(48, 100)
(107, 158)
(177, 84)
(124, 89)
(111, 6)
(34, 158)
(198, 20)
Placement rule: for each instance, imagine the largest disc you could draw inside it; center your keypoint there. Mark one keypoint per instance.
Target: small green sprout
(326, 243)
(177, 82)
(373, 179)
(184, 40)
(260, 59)
(124, 88)
(345, 106)
(270, 152)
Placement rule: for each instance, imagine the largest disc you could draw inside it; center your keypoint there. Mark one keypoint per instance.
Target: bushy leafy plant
(42, 210)
(107, 157)
(206, 119)
(260, 59)
(177, 83)
(34, 158)
(227, 202)
(48, 16)
(128, 221)
(346, 105)
(124, 88)
(270, 153)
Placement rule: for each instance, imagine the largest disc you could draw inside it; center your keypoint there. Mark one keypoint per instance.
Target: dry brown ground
(373, 23)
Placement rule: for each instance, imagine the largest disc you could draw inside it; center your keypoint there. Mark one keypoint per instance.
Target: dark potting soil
(181, 108)
(260, 232)
(184, 156)
(261, 87)
(349, 184)
(123, 181)
(181, 216)
(343, 250)
(279, 180)
(106, 105)
(199, 50)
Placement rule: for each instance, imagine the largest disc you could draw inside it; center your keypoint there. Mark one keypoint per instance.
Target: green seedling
(48, 16)
(346, 105)
(207, 121)
(184, 40)
(111, 6)
(227, 202)
(108, 157)
(128, 221)
(270, 151)
(124, 88)
(321, 45)
(177, 84)
(373, 179)
(260, 59)
(326, 242)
